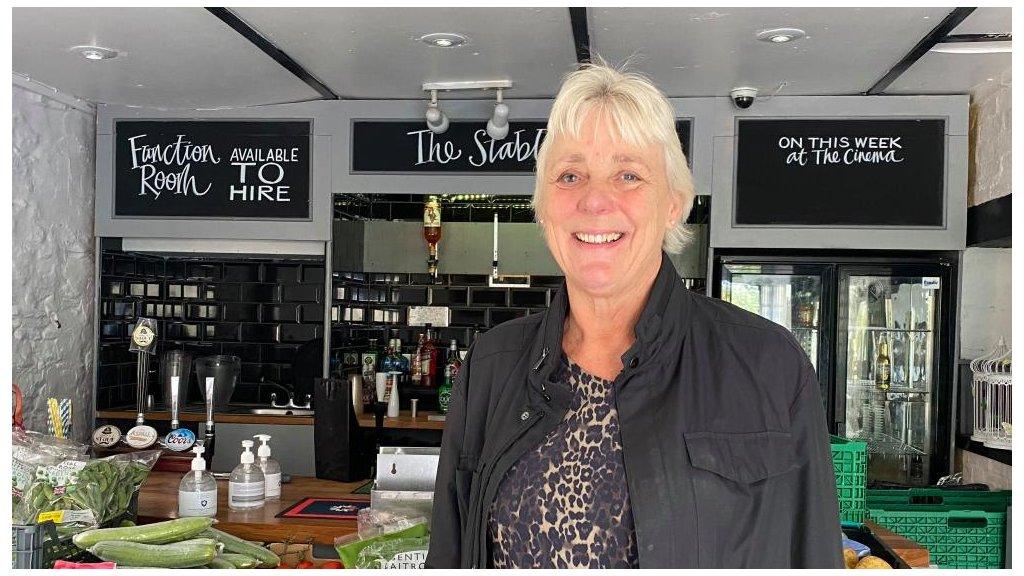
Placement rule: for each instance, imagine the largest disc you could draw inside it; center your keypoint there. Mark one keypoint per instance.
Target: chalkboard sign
(408, 147)
(877, 172)
(212, 169)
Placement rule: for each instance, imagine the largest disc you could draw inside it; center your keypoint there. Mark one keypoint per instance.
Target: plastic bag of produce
(78, 494)
(401, 553)
(349, 547)
(372, 522)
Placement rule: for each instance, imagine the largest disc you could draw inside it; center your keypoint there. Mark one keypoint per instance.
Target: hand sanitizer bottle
(197, 493)
(271, 468)
(247, 485)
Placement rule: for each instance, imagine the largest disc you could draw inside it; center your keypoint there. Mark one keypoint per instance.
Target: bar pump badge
(144, 336)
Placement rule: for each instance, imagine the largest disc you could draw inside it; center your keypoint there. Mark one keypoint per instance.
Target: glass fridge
(879, 331)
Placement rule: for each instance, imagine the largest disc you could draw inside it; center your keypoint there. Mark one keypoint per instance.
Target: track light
(437, 121)
(497, 126)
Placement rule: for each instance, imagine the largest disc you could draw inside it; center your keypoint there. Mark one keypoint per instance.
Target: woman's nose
(597, 198)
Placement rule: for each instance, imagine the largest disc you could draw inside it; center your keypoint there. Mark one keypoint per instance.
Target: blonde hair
(639, 113)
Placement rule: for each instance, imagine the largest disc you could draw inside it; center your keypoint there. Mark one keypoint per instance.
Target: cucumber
(157, 533)
(239, 560)
(221, 564)
(240, 546)
(185, 554)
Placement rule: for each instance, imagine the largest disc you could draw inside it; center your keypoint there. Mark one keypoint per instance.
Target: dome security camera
(743, 97)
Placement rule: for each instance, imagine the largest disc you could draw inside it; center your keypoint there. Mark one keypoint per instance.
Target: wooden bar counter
(158, 501)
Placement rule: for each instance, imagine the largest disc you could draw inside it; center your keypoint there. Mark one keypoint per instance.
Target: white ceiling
(376, 53)
(188, 58)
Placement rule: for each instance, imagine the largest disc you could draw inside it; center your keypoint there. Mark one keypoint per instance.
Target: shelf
(880, 329)
(804, 329)
(891, 390)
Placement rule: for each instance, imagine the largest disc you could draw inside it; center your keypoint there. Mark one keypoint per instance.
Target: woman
(635, 423)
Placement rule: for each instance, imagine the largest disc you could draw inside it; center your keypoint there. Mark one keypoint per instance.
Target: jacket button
(525, 415)
(634, 362)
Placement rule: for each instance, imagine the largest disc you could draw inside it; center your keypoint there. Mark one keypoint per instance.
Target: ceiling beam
(951, 21)
(268, 47)
(580, 33)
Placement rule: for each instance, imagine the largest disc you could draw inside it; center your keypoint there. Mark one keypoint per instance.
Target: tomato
(305, 564)
(332, 564)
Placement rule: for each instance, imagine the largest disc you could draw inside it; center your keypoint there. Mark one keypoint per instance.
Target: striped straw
(65, 416)
(53, 418)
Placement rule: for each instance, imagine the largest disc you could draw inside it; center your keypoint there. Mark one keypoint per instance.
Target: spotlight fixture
(444, 40)
(780, 35)
(437, 121)
(497, 126)
(95, 52)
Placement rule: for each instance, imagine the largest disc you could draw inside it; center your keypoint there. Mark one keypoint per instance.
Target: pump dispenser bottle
(247, 485)
(271, 468)
(197, 493)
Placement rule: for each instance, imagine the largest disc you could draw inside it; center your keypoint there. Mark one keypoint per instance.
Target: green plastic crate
(850, 462)
(960, 529)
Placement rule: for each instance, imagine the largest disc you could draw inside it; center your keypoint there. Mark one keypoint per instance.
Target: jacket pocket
(737, 480)
(743, 458)
(464, 473)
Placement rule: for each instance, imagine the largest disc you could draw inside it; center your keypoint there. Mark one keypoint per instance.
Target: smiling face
(606, 208)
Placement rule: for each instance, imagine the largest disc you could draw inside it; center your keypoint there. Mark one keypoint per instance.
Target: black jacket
(724, 439)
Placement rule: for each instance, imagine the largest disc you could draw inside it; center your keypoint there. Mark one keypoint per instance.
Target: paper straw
(65, 416)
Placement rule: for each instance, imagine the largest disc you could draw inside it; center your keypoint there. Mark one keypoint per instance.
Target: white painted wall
(985, 301)
(53, 256)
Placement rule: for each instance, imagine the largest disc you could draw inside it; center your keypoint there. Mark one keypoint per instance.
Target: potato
(850, 557)
(873, 562)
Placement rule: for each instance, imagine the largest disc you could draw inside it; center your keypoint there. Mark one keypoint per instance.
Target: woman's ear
(675, 209)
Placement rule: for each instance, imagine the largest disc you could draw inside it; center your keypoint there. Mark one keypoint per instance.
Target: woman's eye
(630, 177)
(568, 178)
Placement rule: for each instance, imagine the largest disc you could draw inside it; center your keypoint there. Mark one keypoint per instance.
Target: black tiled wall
(260, 310)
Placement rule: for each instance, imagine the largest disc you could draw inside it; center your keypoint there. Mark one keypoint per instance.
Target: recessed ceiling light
(444, 39)
(95, 52)
(780, 35)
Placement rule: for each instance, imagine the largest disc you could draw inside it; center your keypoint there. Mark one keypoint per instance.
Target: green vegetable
(157, 533)
(221, 564)
(185, 554)
(239, 560)
(350, 552)
(240, 546)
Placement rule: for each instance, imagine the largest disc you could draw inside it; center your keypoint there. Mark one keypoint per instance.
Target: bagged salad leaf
(400, 554)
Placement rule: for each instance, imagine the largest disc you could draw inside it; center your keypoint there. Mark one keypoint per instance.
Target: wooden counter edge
(219, 418)
(914, 554)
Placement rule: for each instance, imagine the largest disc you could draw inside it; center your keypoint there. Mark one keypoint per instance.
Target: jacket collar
(650, 326)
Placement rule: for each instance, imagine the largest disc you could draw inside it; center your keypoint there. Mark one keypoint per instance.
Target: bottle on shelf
(451, 370)
(247, 484)
(270, 467)
(197, 492)
(416, 365)
(883, 366)
(428, 360)
(369, 365)
(401, 362)
(432, 233)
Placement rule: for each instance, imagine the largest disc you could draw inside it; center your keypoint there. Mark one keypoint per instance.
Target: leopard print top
(565, 504)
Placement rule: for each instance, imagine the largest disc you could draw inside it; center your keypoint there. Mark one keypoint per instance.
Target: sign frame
(310, 151)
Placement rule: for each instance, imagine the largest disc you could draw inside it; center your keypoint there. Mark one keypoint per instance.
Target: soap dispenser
(247, 485)
(271, 468)
(197, 493)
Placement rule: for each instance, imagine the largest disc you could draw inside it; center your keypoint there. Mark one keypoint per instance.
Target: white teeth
(598, 238)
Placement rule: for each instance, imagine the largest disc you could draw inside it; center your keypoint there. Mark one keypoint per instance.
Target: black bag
(336, 433)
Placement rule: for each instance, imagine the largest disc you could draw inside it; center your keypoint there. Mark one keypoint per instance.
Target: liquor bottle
(883, 367)
(416, 366)
(451, 371)
(369, 370)
(432, 233)
(428, 361)
(401, 362)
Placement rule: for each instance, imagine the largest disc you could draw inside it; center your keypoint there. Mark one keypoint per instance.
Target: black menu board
(409, 147)
(212, 169)
(870, 172)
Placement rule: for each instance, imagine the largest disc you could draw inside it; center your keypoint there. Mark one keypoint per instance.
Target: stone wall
(990, 138)
(53, 255)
